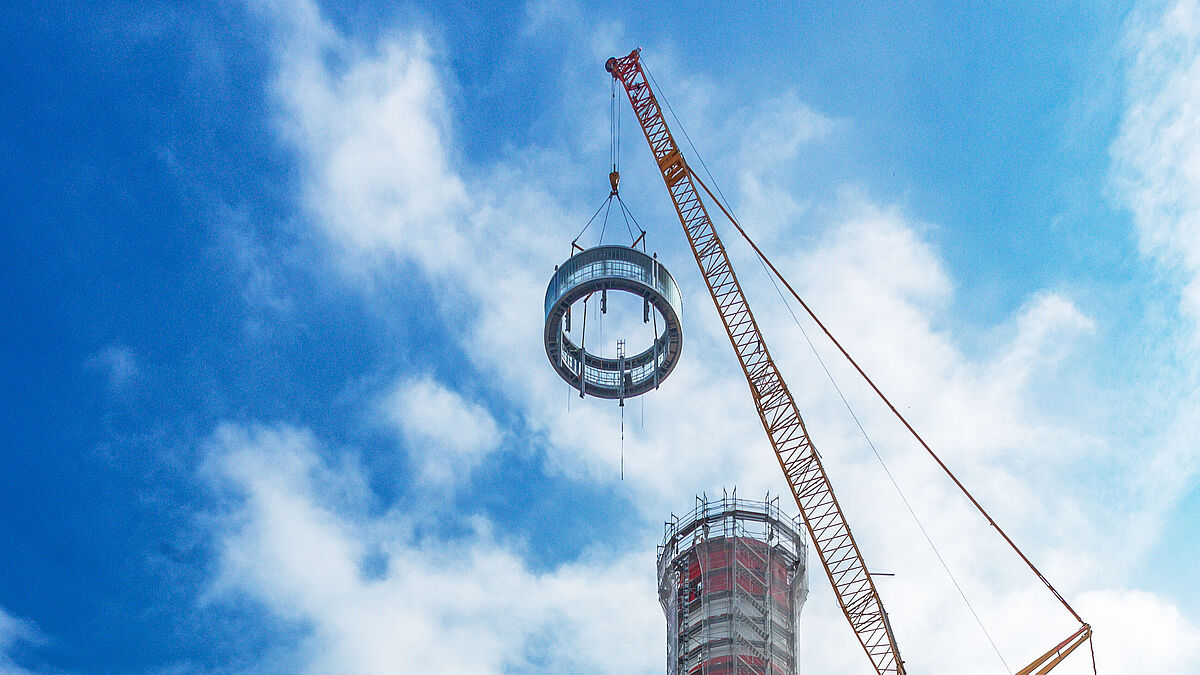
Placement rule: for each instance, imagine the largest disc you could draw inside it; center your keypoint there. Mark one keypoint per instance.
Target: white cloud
(1156, 174)
(372, 128)
(13, 632)
(776, 131)
(428, 604)
(1138, 632)
(881, 288)
(257, 266)
(372, 591)
(446, 435)
(1156, 157)
(118, 364)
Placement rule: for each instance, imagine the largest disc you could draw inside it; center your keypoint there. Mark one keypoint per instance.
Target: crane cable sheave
(823, 518)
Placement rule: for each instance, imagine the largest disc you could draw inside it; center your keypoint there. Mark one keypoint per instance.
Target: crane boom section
(806, 477)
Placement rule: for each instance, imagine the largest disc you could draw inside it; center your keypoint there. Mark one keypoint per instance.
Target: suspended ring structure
(613, 268)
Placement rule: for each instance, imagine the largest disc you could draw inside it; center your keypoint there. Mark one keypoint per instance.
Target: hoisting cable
(619, 108)
(574, 244)
(891, 478)
(614, 133)
(946, 469)
(1086, 628)
(888, 472)
(614, 160)
(641, 237)
(604, 224)
(625, 214)
(614, 155)
(895, 485)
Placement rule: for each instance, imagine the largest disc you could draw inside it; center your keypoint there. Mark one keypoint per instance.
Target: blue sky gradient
(272, 289)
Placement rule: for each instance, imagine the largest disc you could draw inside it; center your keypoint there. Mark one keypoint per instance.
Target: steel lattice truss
(827, 527)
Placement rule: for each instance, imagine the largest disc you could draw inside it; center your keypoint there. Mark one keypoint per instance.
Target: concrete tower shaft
(732, 579)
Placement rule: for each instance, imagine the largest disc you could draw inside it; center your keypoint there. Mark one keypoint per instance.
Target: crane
(840, 556)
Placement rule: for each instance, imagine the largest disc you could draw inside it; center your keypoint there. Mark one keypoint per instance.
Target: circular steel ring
(617, 268)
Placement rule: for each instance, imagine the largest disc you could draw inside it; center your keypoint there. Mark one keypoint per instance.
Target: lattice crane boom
(830, 534)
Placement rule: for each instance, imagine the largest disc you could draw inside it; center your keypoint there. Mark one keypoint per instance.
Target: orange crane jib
(827, 528)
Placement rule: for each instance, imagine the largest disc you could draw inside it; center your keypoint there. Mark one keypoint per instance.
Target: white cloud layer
(372, 129)
(1156, 174)
(119, 366)
(446, 436)
(372, 136)
(1166, 641)
(375, 596)
(13, 632)
(1157, 153)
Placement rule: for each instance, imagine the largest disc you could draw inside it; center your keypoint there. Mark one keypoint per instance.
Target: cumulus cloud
(373, 132)
(1151, 635)
(1156, 175)
(446, 435)
(373, 594)
(779, 129)
(373, 137)
(118, 364)
(13, 633)
(1154, 157)
(881, 288)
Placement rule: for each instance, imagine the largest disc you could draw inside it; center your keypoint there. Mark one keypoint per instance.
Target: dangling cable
(600, 321)
(622, 440)
(582, 353)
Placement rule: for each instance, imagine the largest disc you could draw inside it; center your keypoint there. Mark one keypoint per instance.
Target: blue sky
(274, 398)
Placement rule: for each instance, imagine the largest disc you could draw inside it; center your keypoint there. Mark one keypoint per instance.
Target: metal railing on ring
(613, 261)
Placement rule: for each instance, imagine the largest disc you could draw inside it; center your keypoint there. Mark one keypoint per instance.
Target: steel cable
(929, 450)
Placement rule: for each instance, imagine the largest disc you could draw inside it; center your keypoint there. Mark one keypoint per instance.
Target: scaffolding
(732, 579)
